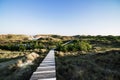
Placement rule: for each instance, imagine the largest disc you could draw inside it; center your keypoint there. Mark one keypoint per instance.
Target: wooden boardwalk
(46, 70)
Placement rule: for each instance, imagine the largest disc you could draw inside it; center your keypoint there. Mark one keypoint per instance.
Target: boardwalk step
(48, 79)
(46, 70)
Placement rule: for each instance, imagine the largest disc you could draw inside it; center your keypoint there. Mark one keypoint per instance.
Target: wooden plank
(46, 70)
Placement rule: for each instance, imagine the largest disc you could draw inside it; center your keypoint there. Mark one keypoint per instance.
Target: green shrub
(75, 46)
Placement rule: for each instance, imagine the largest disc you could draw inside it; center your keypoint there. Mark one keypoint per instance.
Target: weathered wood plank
(46, 70)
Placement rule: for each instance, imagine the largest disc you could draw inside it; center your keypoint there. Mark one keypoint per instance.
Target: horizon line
(60, 34)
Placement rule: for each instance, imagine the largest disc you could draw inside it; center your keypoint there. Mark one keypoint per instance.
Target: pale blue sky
(64, 17)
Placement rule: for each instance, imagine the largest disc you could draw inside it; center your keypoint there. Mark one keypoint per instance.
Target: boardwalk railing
(46, 70)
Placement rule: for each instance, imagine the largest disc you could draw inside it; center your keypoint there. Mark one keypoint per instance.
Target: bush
(84, 46)
(75, 46)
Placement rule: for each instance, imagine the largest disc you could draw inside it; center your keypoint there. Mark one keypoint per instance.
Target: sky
(61, 17)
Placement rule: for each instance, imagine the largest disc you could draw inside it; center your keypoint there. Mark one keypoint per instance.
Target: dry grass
(13, 37)
(20, 69)
(32, 56)
(8, 55)
(19, 63)
(102, 66)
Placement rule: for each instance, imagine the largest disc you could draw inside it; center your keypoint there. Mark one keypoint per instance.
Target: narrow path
(67, 42)
(46, 70)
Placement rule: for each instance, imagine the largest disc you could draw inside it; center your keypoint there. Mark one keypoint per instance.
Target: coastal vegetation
(77, 57)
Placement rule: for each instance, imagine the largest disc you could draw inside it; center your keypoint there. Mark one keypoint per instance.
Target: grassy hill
(13, 37)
